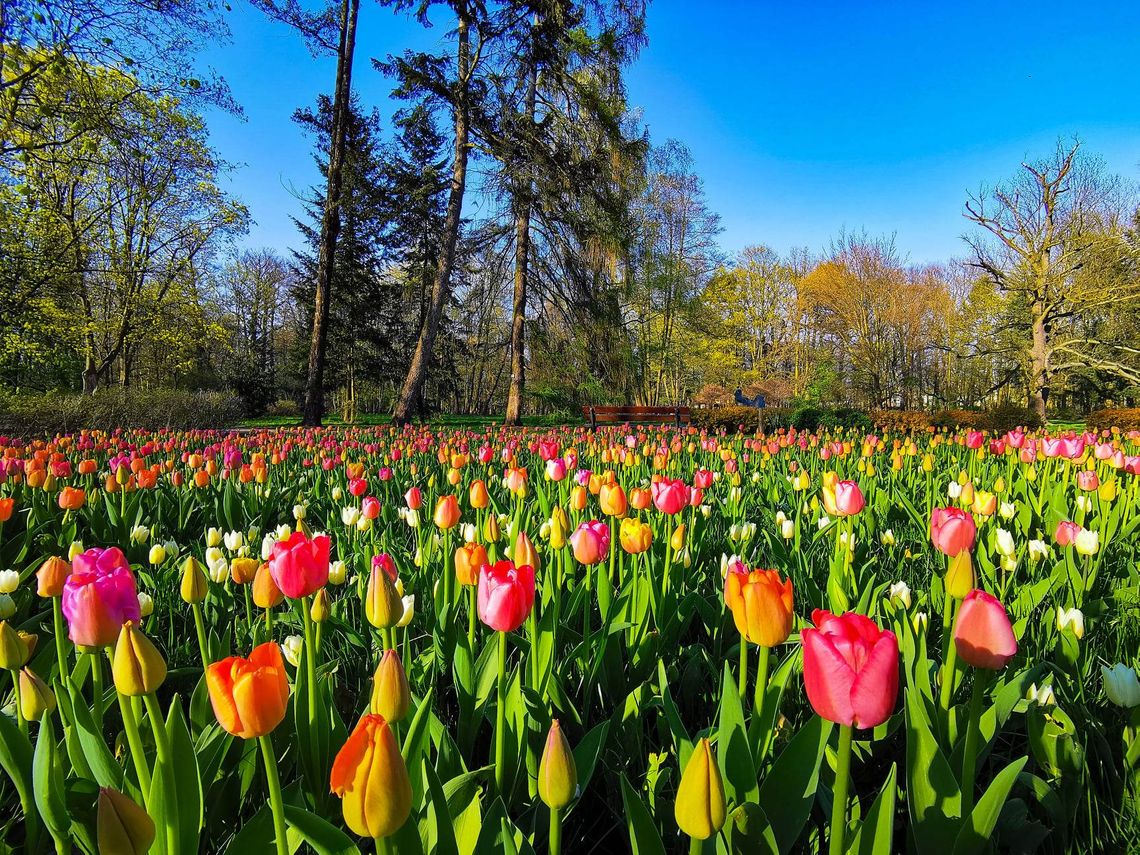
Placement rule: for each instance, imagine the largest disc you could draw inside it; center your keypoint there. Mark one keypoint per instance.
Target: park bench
(635, 415)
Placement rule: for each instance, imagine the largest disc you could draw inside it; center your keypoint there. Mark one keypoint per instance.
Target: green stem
(555, 847)
(501, 720)
(696, 846)
(742, 680)
(761, 682)
(200, 627)
(97, 686)
(23, 725)
(973, 734)
(951, 656)
(471, 613)
(383, 847)
(166, 765)
(276, 803)
(310, 660)
(134, 741)
(57, 624)
(839, 793)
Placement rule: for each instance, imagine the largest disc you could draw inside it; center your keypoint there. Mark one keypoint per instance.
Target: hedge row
(1118, 417)
(997, 420)
(150, 409)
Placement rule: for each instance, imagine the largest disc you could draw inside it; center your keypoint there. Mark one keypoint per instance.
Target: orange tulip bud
(468, 559)
(249, 696)
(370, 777)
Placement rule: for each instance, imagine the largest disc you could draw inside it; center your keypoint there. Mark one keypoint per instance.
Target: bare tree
(1052, 240)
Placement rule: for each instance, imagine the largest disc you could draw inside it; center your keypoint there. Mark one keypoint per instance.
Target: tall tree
(1051, 237)
(421, 75)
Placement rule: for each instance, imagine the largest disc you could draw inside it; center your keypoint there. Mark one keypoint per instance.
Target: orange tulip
(478, 495)
(266, 594)
(468, 559)
(249, 696)
(761, 604)
(370, 777)
(72, 498)
(6, 506)
(446, 512)
(578, 498)
(613, 501)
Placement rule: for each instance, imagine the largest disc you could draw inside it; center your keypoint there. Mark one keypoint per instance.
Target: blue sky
(803, 118)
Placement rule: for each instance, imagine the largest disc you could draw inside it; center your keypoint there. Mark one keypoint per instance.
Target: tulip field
(642, 639)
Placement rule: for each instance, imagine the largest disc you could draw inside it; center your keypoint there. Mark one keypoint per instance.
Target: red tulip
(982, 634)
(952, 530)
(370, 507)
(670, 496)
(300, 565)
(414, 498)
(851, 669)
(506, 595)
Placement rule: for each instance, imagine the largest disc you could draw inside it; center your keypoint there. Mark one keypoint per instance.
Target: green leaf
(47, 778)
(876, 831)
(587, 752)
(933, 796)
(749, 832)
(187, 784)
(105, 771)
(324, 837)
(733, 752)
(643, 835)
(788, 791)
(975, 834)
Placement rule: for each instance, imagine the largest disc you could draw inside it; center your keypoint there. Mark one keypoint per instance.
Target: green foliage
(1006, 417)
(59, 412)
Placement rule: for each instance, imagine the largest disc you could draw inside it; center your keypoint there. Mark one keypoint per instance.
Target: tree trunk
(1039, 364)
(330, 220)
(421, 358)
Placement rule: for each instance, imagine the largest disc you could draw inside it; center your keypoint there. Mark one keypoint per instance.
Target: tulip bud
(700, 808)
(193, 581)
(146, 604)
(51, 577)
(491, 530)
(124, 828)
(960, 576)
(36, 697)
(677, 541)
(321, 607)
(243, 570)
(1121, 686)
(391, 696)
(75, 549)
(557, 774)
(382, 605)
(14, 650)
(138, 668)
(157, 554)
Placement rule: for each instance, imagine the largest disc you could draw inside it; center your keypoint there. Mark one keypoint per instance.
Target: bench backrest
(633, 415)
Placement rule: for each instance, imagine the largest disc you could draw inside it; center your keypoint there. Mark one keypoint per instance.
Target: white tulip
(1038, 549)
(7, 606)
(140, 534)
(338, 571)
(299, 512)
(788, 529)
(9, 581)
(900, 593)
(1121, 685)
(1087, 542)
(409, 610)
(1004, 542)
(213, 537)
(349, 514)
(291, 649)
(1007, 510)
(146, 604)
(887, 538)
(1071, 619)
(234, 540)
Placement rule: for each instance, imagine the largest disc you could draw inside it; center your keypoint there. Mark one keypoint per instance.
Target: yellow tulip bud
(960, 576)
(391, 695)
(557, 532)
(124, 828)
(137, 667)
(700, 809)
(322, 606)
(193, 581)
(13, 648)
(382, 604)
(36, 697)
(677, 541)
(491, 529)
(557, 774)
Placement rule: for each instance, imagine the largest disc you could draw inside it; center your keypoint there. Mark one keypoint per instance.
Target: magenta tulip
(851, 669)
(506, 595)
(99, 596)
(300, 565)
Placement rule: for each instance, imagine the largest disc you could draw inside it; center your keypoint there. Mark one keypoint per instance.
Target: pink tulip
(370, 508)
(1087, 480)
(982, 634)
(952, 530)
(99, 596)
(844, 499)
(1066, 532)
(384, 562)
(1015, 438)
(851, 669)
(506, 595)
(591, 542)
(1103, 450)
(556, 469)
(974, 439)
(702, 479)
(300, 565)
(414, 498)
(670, 496)
(357, 487)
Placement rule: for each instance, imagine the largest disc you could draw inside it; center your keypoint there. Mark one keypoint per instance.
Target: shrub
(730, 418)
(1117, 417)
(902, 420)
(1006, 417)
(283, 407)
(61, 412)
(955, 418)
